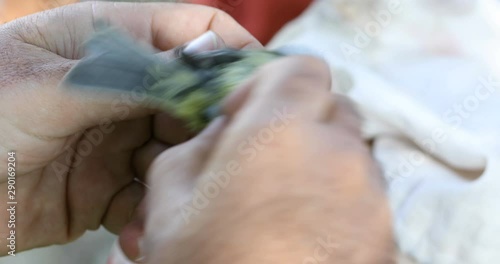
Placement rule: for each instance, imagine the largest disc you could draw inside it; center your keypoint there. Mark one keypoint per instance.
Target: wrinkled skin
(45, 125)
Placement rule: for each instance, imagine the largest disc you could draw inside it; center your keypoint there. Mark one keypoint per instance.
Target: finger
(122, 207)
(297, 85)
(131, 237)
(163, 25)
(170, 130)
(101, 171)
(183, 162)
(172, 178)
(193, 21)
(206, 42)
(145, 155)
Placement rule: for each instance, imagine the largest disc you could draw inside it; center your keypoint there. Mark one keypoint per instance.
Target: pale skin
(340, 192)
(314, 181)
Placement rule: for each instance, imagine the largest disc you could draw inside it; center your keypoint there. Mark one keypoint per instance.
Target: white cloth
(428, 85)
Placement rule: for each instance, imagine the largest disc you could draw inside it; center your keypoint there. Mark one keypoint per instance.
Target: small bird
(190, 87)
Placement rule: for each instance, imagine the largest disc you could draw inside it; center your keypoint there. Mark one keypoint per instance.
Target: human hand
(77, 156)
(285, 177)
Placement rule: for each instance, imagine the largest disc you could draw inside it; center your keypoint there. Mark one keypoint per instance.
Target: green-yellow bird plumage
(190, 87)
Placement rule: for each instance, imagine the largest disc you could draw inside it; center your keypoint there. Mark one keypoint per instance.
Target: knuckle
(302, 74)
(215, 14)
(220, 14)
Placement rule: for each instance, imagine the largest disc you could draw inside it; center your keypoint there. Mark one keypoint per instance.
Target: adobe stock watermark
(364, 36)
(323, 251)
(453, 117)
(248, 151)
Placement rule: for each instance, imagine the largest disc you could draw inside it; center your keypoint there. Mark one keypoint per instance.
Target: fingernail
(140, 245)
(206, 42)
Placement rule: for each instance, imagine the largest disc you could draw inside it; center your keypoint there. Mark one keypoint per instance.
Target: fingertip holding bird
(206, 42)
(130, 245)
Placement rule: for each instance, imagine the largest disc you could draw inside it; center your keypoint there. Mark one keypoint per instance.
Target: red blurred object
(263, 18)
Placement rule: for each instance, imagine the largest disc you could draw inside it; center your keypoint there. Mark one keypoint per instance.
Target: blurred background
(263, 18)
